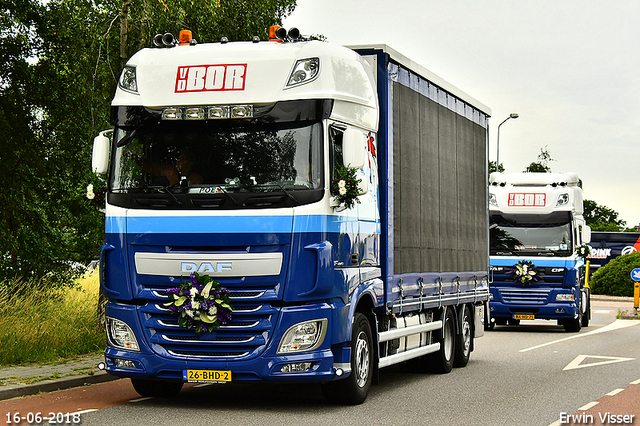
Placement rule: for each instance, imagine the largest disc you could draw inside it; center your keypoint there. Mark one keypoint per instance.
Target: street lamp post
(512, 115)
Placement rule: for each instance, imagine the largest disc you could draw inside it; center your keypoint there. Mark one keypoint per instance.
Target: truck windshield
(214, 157)
(546, 235)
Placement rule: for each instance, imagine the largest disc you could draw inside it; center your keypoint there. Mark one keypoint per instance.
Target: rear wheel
(443, 359)
(354, 389)
(156, 388)
(464, 340)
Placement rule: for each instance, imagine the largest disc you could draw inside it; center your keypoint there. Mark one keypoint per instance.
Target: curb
(55, 385)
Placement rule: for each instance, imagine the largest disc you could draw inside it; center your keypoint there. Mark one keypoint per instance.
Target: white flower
(342, 184)
(343, 190)
(90, 187)
(213, 310)
(189, 312)
(90, 195)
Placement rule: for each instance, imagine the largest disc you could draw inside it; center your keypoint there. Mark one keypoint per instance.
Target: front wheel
(586, 315)
(354, 389)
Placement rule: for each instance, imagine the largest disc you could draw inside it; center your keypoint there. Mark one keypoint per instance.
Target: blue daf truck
(536, 231)
(290, 211)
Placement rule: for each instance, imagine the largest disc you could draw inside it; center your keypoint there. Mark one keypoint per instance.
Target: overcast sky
(569, 68)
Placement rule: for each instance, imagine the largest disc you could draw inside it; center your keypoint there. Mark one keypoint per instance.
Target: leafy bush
(614, 279)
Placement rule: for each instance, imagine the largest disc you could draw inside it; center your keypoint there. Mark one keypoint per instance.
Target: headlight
(304, 71)
(121, 336)
(304, 336)
(565, 297)
(492, 200)
(128, 79)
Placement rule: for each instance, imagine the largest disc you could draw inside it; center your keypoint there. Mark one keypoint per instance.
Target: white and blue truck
(225, 161)
(536, 229)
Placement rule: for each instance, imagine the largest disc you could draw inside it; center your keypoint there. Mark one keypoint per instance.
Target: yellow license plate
(524, 316)
(206, 376)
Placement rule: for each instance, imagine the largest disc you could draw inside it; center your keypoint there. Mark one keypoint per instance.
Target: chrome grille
(524, 296)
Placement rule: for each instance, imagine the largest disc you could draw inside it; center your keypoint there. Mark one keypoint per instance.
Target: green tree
(59, 65)
(493, 168)
(542, 165)
(602, 218)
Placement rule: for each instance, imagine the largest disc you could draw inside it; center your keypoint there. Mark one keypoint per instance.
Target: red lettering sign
(204, 78)
(527, 199)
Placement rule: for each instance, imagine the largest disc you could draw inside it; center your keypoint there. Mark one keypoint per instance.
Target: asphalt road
(532, 374)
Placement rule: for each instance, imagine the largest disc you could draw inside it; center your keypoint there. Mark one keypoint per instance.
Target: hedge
(614, 279)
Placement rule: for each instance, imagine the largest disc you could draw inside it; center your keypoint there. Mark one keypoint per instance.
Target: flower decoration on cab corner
(344, 187)
(583, 251)
(94, 189)
(524, 272)
(201, 303)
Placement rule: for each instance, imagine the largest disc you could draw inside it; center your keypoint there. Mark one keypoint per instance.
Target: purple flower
(194, 279)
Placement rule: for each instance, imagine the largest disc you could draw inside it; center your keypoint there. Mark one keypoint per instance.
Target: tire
(573, 325)
(586, 315)
(464, 340)
(156, 388)
(443, 359)
(354, 389)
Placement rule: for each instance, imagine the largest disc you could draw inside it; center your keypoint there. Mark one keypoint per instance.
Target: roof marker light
(172, 113)
(195, 113)
(272, 33)
(185, 37)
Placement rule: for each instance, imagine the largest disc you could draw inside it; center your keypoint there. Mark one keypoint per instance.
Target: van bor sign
(525, 199)
(207, 78)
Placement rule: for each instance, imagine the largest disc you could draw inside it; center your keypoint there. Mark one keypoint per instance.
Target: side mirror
(100, 157)
(586, 234)
(353, 148)
(363, 186)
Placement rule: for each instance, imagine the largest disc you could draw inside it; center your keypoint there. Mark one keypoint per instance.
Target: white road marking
(616, 325)
(615, 392)
(576, 363)
(589, 405)
(636, 382)
(144, 398)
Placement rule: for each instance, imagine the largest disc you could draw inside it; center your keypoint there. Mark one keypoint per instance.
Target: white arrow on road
(577, 362)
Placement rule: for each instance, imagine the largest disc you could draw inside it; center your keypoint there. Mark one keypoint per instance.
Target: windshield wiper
(225, 192)
(165, 190)
(286, 192)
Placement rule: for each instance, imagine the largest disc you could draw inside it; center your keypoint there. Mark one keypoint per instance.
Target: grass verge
(43, 323)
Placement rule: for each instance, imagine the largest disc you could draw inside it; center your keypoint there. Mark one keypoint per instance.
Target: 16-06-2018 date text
(37, 418)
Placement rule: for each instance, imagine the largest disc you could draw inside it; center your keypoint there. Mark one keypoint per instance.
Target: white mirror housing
(586, 234)
(353, 148)
(100, 157)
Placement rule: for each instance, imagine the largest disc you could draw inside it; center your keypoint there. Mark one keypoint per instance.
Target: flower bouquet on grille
(201, 303)
(524, 272)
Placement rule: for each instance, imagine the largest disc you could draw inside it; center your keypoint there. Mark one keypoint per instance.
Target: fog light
(560, 311)
(296, 367)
